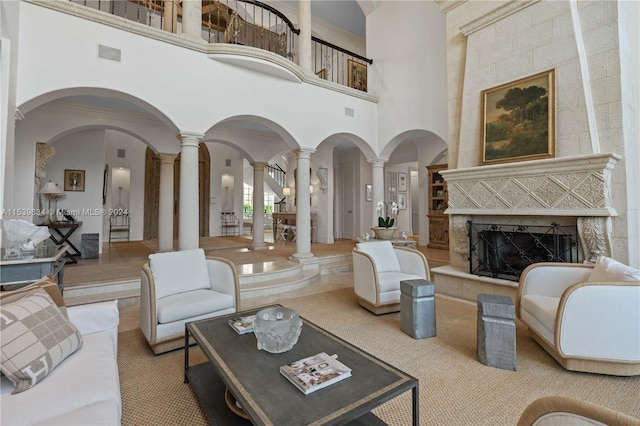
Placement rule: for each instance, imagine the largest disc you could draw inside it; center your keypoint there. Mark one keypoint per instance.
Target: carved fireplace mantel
(578, 186)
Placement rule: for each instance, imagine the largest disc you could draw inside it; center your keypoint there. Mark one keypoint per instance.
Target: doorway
(152, 193)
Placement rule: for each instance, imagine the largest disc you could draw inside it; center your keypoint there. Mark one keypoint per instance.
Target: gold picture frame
(357, 76)
(74, 180)
(519, 120)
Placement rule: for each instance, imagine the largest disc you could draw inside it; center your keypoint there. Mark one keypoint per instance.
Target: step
(102, 292)
(273, 278)
(271, 287)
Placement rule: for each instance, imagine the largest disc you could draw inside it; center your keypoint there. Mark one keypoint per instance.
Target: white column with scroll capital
(258, 206)
(192, 19)
(188, 223)
(303, 207)
(165, 204)
(304, 39)
(377, 173)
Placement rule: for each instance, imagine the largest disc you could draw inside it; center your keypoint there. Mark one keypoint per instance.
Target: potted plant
(385, 229)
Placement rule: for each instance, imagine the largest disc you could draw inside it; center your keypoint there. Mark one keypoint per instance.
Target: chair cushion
(179, 271)
(36, 338)
(383, 254)
(191, 304)
(543, 308)
(608, 270)
(390, 281)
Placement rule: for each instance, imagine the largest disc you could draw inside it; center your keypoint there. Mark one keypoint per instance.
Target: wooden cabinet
(438, 221)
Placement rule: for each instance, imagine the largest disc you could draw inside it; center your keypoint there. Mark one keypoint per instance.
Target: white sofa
(378, 268)
(586, 316)
(85, 388)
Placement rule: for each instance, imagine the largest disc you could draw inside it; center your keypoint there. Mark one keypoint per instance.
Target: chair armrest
(148, 310)
(95, 317)
(550, 279)
(365, 277)
(224, 277)
(413, 262)
(600, 320)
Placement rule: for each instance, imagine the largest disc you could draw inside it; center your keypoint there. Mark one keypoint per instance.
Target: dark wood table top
(254, 378)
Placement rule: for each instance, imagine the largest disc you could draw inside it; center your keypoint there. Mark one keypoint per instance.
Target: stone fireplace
(568, 192)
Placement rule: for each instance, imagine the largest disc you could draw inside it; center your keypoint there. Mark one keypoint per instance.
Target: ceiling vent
(109, 53)
(349, 112)
(121, 153)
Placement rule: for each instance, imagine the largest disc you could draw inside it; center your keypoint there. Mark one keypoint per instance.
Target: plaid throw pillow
(36, 337)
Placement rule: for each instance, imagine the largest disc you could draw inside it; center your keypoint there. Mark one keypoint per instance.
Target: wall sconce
(310, 189)
(51, 190)
(286, 191)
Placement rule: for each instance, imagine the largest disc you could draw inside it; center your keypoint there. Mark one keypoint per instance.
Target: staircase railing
(245, 22)
(277, 174)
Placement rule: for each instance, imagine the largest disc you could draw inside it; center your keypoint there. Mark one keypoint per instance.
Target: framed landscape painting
(518, 120)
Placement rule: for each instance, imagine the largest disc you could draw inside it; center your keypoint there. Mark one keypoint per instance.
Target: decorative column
(303, 207)
(170, 22)
(188, 214)
(165, 205)
(192, 18)
(377, 172)
(258, 206)
(304, 39)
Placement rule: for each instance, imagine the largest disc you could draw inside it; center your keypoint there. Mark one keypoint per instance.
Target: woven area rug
(455, 389)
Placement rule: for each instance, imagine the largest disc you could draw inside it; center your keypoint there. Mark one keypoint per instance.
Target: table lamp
(50, 190)
(286, 191)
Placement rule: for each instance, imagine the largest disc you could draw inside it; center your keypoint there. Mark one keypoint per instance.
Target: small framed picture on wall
(402, 200)
(74, 180)
(368, 192)
(402, 182)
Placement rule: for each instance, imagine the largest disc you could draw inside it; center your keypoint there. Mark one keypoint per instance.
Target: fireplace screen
(503, 251)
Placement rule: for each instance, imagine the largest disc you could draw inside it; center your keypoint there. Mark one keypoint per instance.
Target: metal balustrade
(248, 23)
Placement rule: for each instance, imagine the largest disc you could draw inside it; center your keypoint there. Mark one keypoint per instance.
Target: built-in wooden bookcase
(438, 221)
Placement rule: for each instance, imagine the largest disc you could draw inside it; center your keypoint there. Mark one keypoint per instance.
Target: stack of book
(315, 372)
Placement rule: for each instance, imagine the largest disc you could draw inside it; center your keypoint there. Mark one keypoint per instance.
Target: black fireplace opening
(504, 251)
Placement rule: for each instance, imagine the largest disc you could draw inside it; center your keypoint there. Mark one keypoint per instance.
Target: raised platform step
(256, 280)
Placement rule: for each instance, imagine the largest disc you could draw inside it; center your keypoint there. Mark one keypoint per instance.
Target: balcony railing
(249, 23)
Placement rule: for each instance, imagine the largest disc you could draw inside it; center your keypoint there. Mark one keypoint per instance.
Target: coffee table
(268, 398)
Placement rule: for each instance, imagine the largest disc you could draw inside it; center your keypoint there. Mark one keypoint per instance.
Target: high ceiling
(345, 14)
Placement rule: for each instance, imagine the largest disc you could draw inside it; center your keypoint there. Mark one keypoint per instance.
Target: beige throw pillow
(47, 283)
(36, 337)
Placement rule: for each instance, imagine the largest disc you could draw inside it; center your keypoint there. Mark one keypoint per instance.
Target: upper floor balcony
(237, 24)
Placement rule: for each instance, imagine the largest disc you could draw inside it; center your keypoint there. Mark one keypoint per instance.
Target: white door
(346, 200)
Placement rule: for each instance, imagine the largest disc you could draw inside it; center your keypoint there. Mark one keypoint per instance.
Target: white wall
(406, 40)
(81, 151)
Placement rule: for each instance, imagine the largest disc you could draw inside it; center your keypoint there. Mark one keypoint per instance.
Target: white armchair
(183, 286)
(586, 316)
(378, 268)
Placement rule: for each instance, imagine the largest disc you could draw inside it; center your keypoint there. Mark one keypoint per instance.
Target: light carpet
(455, 389)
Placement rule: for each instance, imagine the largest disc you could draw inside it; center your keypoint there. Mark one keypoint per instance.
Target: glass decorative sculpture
(277, 329)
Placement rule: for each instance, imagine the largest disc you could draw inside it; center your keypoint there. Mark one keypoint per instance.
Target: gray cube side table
(418, 308)
(496, 331)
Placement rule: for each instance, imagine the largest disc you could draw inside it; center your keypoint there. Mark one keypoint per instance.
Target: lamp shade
(310, 189)
(286, 191)
(51, 188)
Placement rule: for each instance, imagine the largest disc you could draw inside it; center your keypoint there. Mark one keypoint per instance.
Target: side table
(59, 232)
(496, 331)
(418, 308)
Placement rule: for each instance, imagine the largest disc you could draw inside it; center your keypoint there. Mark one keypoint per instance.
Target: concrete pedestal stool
(496, 331)
(418, 308)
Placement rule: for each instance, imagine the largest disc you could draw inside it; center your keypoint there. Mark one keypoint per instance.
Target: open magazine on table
(315, 372)
(242, 325)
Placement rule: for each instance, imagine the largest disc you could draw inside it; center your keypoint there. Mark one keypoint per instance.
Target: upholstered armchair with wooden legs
(564, 410)
(586, 316)
(183, 286)
(378, 268)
